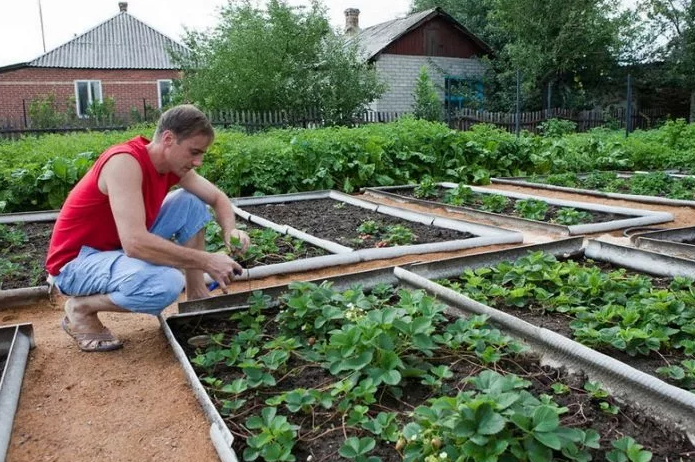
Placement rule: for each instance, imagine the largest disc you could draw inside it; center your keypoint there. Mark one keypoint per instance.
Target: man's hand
(237, 241)
(222, 269)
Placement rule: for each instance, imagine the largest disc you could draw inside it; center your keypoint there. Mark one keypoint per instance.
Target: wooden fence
(253, 121)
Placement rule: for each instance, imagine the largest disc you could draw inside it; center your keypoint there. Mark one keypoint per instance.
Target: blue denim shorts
(133, 284)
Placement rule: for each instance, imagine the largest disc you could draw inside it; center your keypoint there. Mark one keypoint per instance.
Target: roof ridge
(121, 25)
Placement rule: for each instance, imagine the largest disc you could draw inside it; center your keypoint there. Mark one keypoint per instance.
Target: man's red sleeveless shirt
(86, 217)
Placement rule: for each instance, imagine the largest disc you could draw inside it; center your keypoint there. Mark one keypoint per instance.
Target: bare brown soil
(22, 263)
(338, 222)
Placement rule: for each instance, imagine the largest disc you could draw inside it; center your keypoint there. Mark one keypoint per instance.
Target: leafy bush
(554, 128)
(402, 152)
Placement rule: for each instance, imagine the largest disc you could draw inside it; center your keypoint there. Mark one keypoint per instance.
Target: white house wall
(400, 72)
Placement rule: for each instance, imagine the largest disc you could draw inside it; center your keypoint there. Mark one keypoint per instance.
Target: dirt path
(135, 404)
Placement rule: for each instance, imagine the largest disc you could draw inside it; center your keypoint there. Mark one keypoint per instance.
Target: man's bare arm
(121, 178)
(218, 200)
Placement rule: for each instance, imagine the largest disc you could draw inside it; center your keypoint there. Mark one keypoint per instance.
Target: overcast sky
(20, 27)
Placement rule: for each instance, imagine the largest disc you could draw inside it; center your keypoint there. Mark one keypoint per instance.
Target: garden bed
(650, 187)
(521, 210)
(23, 253)
(353, 226)
(389, 376)
(642, 320)
(358, 230)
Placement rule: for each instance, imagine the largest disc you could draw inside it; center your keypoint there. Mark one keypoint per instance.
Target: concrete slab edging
(15, 342)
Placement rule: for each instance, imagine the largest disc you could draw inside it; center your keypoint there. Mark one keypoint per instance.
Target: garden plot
(385, 372)
(595, 296)
(508, 208)
(650, 187)
(359, 230)
(679, 242)
(23, 253)
(15, 343)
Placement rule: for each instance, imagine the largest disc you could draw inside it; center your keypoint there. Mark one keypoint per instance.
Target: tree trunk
(692, 106)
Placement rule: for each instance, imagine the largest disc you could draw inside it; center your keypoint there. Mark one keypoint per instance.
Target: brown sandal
(92, 341)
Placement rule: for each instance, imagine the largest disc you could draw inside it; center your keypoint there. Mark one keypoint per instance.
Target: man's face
(185, 155)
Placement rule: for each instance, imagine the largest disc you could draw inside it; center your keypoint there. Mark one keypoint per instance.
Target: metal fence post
(517, 127)
(24, 112)
(628, 114)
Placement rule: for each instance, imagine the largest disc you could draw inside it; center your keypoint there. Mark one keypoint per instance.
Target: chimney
(123, 7)
(352, 21)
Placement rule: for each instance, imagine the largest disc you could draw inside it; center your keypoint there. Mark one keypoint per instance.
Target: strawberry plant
(460, 195)
(498, 420)
(569, 216)
(495, 203)
(531, 209)
(426, 188)
(385, 236)
(609, 309)
(267, 246)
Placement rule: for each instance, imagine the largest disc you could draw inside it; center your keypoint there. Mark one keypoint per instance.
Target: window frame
(159, 90)
(90, 96)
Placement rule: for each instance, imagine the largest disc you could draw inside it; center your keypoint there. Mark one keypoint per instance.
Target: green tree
(279, 57)
(427, 104)
(673, 22)
(561, 45)
(573, 48)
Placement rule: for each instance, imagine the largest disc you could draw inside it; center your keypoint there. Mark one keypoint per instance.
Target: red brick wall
(127, 87)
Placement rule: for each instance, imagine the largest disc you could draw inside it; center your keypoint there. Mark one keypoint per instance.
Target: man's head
(184, 121)
(183, 135)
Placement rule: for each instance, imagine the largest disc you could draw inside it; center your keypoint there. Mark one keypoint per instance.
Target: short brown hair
(184, 121)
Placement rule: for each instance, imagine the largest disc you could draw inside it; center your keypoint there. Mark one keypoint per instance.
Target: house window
(164, 91)
(463, 92)
(86, 93)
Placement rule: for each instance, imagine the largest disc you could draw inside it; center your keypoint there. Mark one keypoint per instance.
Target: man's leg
(182, 218)
(83, 322)
(112, 281)
(195, 282)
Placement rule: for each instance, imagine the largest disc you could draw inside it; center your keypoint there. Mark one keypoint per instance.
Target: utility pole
(43, 38)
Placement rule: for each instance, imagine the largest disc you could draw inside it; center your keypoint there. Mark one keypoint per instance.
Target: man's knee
(151, 293)
(184, 199)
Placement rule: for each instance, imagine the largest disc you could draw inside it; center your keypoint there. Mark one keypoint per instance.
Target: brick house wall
(128, 88)
(400, 72)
